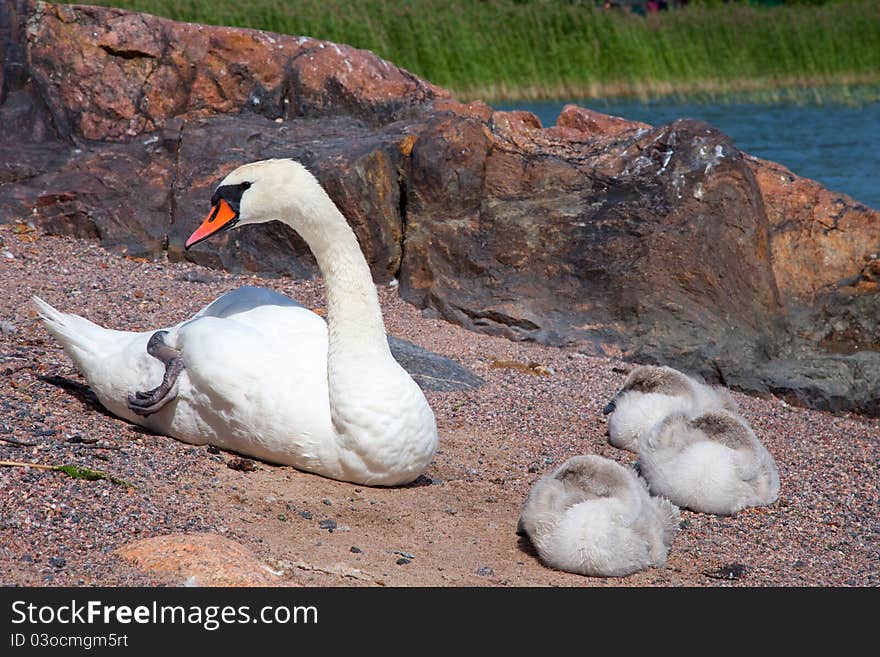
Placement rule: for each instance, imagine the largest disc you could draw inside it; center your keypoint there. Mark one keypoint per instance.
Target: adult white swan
(255, 372)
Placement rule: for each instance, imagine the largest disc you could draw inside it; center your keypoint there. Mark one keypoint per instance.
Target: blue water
(834, 144)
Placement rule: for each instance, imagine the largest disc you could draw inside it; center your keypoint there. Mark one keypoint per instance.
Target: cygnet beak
(609, 408)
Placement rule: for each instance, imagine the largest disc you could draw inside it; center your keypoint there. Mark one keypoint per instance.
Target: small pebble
(242, 465)
(728, 571)
(355, 549)
(213, 450)
(328, 524)
(197, 277)
(58, 562)
(306, 514)
(402, 561)
(485, 571)
(327, 502)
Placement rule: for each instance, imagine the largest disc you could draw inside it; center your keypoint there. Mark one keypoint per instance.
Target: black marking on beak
(231, 194)
(610, 408)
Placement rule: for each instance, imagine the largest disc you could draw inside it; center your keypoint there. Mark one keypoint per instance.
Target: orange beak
(222, 216)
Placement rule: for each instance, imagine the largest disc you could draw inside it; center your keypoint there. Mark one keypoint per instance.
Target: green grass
(507, 49)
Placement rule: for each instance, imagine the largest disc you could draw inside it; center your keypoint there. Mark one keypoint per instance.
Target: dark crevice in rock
(126, 54)
(485, 317)
(174, 144)
(401, 210)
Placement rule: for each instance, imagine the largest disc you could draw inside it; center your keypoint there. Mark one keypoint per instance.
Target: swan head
(258, 192)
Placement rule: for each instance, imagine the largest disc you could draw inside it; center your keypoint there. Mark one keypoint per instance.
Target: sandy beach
(455, 526)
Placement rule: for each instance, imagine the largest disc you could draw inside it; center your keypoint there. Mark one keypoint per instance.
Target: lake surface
(834, 144)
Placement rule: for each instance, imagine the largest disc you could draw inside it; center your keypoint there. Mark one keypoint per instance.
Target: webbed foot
(148, 402)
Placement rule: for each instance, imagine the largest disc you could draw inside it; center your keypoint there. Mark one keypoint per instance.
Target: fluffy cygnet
(712, 463)
(649, 394)
(595, 517)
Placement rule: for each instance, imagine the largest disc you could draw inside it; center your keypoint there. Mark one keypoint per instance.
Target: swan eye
(231, 194)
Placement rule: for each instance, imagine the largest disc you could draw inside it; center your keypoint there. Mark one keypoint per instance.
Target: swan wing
(246, 298)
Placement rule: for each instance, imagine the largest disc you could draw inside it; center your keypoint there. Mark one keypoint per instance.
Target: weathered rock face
(662, 244)
(661, 234)
(357, 165)
(111, 74)
(128, 120)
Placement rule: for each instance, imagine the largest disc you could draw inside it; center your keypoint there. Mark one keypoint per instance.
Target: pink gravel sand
(455, 529)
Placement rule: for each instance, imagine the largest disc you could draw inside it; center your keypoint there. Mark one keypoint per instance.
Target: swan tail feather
(81, 339)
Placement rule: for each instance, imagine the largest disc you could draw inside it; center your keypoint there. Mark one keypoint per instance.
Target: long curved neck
(383, 431)
(354, 317)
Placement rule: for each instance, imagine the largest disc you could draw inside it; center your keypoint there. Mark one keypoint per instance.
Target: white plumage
(651, 393)
(712, 463)
(595, 517)
(262, 375)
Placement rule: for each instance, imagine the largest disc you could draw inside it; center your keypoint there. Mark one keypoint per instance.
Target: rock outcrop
(199, 560)
(640, 239)
(658, 244)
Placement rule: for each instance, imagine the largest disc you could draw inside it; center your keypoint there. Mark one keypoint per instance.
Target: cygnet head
(648, 394)
(726, 428)
(257, 192)
(579, 479)
(652, 378)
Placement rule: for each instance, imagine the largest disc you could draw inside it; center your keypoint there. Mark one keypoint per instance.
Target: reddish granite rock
(91, 196)
(590, 122)
(329, 79)
(476, 109)
(826, 257)
(111, 74)
(199, 560)
(186, 104)
(821, 239)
